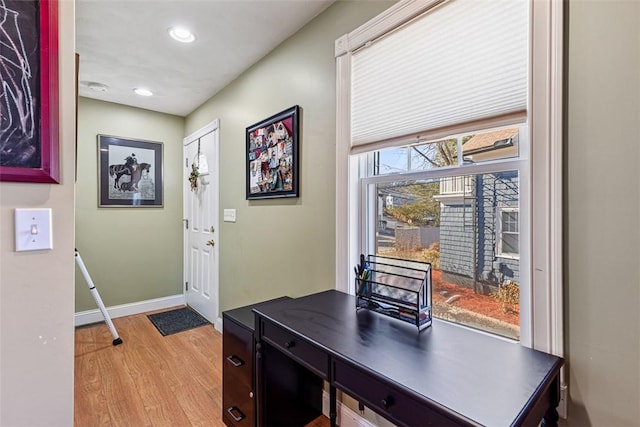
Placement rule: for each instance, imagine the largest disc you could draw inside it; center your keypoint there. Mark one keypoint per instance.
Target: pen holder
(363, 288)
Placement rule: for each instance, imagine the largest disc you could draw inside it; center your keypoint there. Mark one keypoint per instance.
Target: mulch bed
(469, 300)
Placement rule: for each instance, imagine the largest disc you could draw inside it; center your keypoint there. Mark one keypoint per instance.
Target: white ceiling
(124, 44)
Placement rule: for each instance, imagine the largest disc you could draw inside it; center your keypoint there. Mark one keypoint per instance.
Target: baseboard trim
(218, 324)
(346, 416)
(94, 316)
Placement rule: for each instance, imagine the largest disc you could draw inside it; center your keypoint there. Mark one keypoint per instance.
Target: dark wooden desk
(444, 375)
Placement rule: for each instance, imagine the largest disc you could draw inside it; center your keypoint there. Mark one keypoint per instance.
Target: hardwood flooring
(149, 380)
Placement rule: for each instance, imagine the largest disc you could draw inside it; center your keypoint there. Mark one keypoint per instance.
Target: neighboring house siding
(457, 242)
(507, 195)
(468, 228)
(495, 191)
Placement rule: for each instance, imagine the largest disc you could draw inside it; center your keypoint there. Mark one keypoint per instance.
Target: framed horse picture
(29, 93)
(272, 156)
(129, 172)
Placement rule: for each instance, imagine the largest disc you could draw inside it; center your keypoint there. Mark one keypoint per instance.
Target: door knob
(210, 242)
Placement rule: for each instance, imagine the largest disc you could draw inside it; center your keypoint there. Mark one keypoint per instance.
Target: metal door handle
(235, 360)
(210, 242)
(238, 417)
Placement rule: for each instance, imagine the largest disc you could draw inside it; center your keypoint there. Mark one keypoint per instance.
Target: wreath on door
(193, 176)
(199, 168)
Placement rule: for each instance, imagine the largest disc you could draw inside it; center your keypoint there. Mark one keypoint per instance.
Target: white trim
(343, 131)
(447, 172)
(453, 198)
(546, 179)
(547, 243)
(94, 316)
(499, 232)
(208, 128)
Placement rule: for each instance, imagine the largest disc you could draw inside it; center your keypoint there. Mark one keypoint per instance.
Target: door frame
(213, 126)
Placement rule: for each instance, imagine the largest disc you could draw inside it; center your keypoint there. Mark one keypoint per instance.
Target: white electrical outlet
(33, 229)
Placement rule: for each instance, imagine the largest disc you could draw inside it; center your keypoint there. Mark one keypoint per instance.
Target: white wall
(36, 288)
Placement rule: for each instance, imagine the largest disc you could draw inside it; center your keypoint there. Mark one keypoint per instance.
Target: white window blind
(461, 62)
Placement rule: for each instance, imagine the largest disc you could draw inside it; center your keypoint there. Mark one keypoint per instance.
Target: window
(508, 235)
(372, 117)
(438, 210)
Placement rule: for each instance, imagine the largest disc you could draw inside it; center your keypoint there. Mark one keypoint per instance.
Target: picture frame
(130, 172)
(29, 106)
(272, 156)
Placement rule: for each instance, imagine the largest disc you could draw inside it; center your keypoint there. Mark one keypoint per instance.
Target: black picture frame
(272, 156)
(130, 172)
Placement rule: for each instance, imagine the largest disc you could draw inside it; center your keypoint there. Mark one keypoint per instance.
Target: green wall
(602, 213)
(287, 246)
(132, 254)
(283, 246)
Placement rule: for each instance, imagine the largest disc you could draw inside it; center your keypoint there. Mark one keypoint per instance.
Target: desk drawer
(237, 404)
(237, 352)
(298, 349)
(386, 399)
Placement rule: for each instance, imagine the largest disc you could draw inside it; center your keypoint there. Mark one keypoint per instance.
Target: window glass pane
(509, 243)
(485, 146)
(392, 160)
(510, 222)
(454, 223)
(434, 155)
(477, 147)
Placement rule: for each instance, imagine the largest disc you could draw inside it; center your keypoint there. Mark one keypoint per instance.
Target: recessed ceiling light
(97, 87)
(181, 34)
(143, 92)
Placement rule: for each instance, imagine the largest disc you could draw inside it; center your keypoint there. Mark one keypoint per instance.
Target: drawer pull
(386, 403)
(289, 344)
(235, 417)
(235, 360)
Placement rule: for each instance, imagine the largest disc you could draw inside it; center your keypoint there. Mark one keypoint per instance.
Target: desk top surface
(487, 380)
(244, 315)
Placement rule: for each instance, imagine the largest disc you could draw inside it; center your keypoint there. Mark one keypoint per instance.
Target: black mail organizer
(399, 288)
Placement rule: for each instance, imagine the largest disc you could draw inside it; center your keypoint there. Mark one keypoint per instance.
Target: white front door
(201, 222)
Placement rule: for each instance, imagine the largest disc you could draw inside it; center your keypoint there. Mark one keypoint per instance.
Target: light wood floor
(149, 380)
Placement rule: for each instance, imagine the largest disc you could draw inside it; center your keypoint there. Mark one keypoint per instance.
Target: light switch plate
(33, 229)
(229, 215)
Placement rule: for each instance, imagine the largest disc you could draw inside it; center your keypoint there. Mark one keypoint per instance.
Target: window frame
(366, 205)
(500, 232)
(544, 303)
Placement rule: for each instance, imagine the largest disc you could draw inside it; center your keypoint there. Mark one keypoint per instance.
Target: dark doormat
(178, 320)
